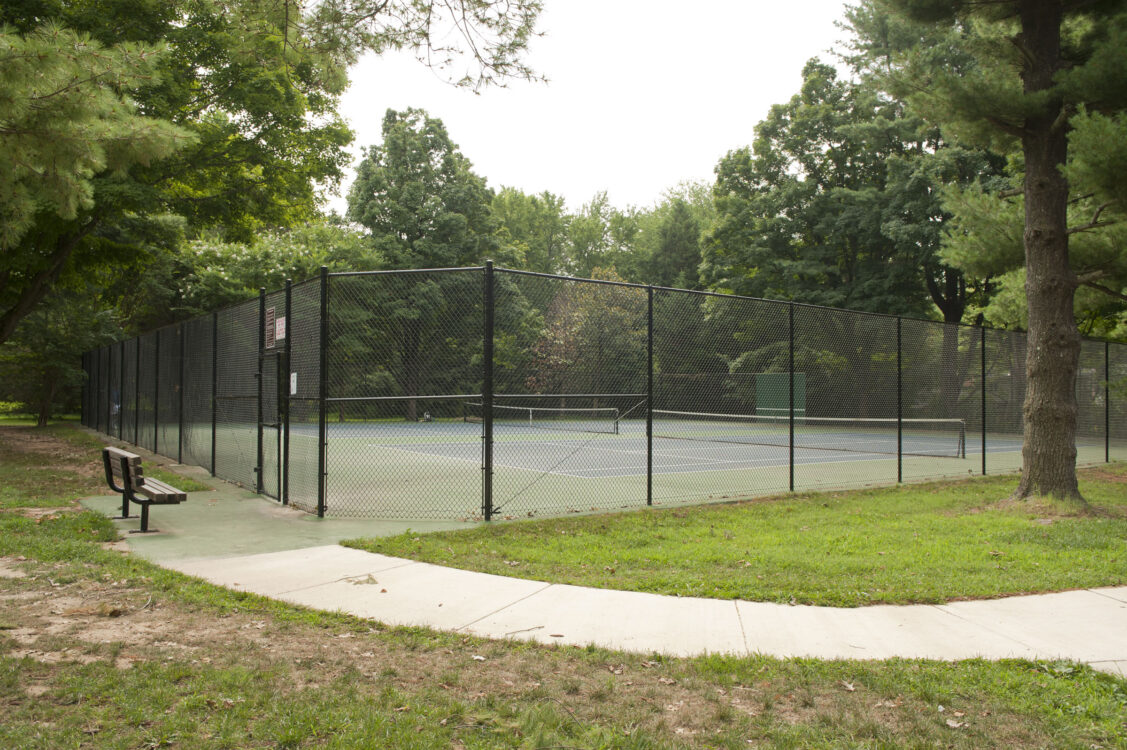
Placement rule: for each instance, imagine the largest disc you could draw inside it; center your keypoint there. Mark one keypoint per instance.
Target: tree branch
(1106, 290)
(1095, 223)
(36, 289)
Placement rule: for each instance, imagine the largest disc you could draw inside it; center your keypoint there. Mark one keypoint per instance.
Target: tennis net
(603, 420)
(918, 437)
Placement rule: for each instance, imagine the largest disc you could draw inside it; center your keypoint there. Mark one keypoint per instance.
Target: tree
(39, 365)
(249, 87)
(424, 208)
(536, 224)
(1022, 75)
(801, 219)
(66, 120)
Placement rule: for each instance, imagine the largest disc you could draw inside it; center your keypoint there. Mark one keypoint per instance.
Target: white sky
(642, 94)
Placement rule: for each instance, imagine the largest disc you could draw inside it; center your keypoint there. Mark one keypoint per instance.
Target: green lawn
(914, 543)
(104, 650)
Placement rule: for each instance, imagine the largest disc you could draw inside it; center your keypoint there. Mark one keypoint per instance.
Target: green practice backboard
(772, 393)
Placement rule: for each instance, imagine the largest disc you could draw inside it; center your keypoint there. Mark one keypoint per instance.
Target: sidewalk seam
(987, 628)
(502, 609)
(740, 622)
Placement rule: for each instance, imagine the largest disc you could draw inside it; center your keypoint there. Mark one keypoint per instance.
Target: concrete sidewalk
(236, 539)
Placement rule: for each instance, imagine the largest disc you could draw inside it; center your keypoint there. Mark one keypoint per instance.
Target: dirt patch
(8, 568)
(31, 441)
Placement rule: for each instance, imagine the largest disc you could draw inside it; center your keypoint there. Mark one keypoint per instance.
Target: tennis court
(461, 393)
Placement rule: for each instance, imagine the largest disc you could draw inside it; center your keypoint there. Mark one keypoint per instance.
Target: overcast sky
(642, 94)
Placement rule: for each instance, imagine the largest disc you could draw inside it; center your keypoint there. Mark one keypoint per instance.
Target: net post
(790, 410)
(899, 403)
(649, 396)
(982, 387)
(285, 402)
(156, 392)
(322, 438)
(180, 400)
(258, 484)
(214, 383)
(487, 397)
(1107, 402)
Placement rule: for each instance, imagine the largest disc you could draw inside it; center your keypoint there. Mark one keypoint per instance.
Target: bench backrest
(133, 461)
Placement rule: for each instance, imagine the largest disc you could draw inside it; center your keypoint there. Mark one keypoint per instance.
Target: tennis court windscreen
(919, 437)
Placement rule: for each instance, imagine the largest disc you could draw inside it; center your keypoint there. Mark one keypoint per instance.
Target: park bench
(125, 468)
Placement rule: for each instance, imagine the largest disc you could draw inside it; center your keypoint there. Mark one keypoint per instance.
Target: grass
(914, 543)
(103, 650)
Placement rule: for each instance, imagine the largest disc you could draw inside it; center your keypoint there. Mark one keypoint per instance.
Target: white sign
(280, 328)
(293, 383)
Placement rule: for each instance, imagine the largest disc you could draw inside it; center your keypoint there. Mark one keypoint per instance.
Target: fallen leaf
(478, 658)
(956, 724)
(848, 686)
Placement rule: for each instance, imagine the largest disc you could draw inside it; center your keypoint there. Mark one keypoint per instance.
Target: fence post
(650, 397)
(214, 383)
(180, 400)
(258, 485)
(156, 392)
(322, 438)
(137, 391)
(982, 340)
(285, 386)
(899, 404)
(790, 329)
(121, 393)
(1107, 402)
(487, 398)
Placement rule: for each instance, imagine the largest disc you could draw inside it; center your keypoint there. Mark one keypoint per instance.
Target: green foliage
(247, 89)
(206, 274)
(67, 117)
(40, 366)
(837, 205)
(536, 226)
(417, 196)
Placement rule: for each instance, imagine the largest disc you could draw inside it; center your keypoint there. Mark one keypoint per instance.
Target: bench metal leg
(144, 521)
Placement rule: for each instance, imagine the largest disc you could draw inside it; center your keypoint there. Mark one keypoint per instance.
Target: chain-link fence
(488, 393)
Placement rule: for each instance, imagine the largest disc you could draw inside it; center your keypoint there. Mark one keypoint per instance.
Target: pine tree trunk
(1053, 356)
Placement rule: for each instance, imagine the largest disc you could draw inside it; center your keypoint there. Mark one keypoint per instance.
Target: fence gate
(271, 398)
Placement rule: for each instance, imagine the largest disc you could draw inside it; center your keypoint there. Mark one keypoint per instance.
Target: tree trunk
(1053, 355)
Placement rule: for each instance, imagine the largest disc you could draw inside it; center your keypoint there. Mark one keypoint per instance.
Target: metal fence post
(899, 404)
(982, 340)
(1107, 402)
(137, 391)
(285, 388)
(156, 392)
(180, 400)
(322, 438)
(121, 393)
(258, 485)
(214, 383)
(650, 397)
(790, 328)
(487, 398)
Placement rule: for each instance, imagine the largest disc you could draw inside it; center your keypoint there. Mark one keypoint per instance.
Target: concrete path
(236, 539)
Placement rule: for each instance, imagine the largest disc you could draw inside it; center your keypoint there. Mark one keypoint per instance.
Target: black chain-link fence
(489, 393)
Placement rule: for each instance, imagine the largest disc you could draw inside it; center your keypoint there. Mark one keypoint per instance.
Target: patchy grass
(914, 543)
(102, 650)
